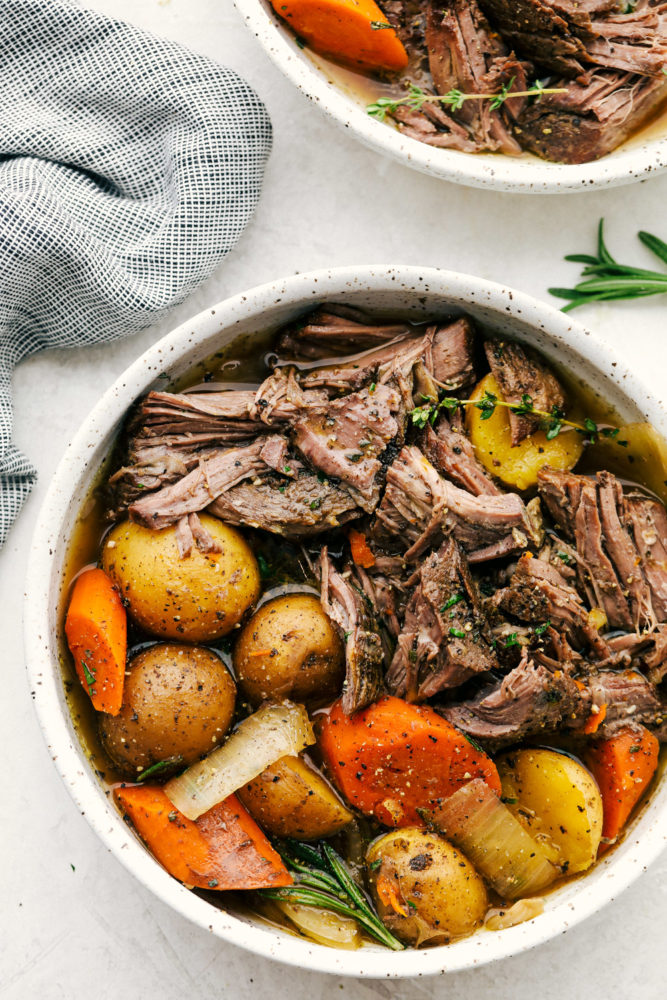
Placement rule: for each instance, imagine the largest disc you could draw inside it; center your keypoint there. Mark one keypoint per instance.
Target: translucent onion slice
(503, 852)
(323, 926)
(273, 731)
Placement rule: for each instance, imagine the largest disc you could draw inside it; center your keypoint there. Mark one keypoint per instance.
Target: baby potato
(178, 701)
(290, 649)
(290, 799)
(516, 465)
(558, 801)
(426, 892)
(197, 598)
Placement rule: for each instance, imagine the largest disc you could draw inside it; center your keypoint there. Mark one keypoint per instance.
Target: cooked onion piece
(524, 909)
(323, 926)
(273, 732)
(477, 822)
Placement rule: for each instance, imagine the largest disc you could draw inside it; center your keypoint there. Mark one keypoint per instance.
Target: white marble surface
(73, 924)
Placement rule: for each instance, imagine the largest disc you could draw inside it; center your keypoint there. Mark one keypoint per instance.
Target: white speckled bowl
(413, 292)
(635, 160)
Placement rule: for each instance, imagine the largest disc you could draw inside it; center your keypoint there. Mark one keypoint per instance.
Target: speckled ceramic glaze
(633, 161)
(413, 293)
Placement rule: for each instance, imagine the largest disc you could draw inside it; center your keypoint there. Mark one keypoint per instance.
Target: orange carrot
(223, 849)
(96, 629)
(595, 720)
(623, 766)
(355, 32)
(360, 549)
(394, 758)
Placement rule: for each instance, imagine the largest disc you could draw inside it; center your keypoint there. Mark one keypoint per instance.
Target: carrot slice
(394, 758)
(223, 849)
(623, 766)
(595, 720)
(96, 630)
(360, 549)
(355, 32)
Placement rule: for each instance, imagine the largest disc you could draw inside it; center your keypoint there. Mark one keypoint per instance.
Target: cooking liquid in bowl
(285, 567)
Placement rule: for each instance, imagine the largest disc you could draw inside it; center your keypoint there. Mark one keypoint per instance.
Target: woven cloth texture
(129, 168)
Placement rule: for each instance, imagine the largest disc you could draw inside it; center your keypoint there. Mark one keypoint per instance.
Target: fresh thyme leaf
(541, 629)
(454, 99)
(458, 633)
(374, 865)
(607, 280)
(155, 770)
(511, 640)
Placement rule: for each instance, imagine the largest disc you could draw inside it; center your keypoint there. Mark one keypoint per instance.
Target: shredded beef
(346, 438)
(452, 454)
(442, 643)
(519, 374)
(419, 506)
(349, 608)
(306, 505)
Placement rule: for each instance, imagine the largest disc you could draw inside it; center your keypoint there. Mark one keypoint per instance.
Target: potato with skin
(516, 465)
(198, 598)
(558, 801)
(290, 649)
(425, 891)
(291, 799)
(178, 702)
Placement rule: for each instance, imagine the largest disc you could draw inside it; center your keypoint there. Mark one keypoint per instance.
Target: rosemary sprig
(455, 99)
(321, 879)
(551, 421)
(608, 280)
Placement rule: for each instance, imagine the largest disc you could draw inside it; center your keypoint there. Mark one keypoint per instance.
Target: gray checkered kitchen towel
(128, 170)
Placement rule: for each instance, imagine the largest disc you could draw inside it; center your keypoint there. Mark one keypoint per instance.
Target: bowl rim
(608, 878)
(627, 165)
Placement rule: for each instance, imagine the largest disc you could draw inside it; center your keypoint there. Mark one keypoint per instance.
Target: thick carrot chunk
(394, 758)
(623, 766)
(223, 849)
(355, 32)
(96, 630)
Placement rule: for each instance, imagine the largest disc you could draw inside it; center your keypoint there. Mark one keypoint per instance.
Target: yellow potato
(558, 801)
(426, 892)
(290, 649)
(198, 598)
(178, 702)
(290, 799)
(516, 465)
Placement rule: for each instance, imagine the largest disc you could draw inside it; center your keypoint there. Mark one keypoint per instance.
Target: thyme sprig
(608, 280)
(455, 99)
(551, 421)
(322, 879)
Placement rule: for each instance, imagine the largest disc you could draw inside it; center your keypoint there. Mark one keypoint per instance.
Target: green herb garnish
(162, 766)
(607, 280)
(455, 99)
(264, 568)
(511, 640)
(541, 629)
(90, 677)
(552, 421)
(451, 601)
(458, 633)
(321, 878)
